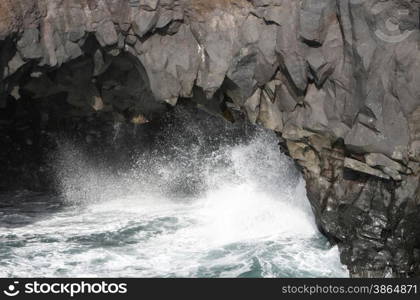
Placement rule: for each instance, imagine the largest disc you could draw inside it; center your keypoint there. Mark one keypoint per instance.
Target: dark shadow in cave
(101, 102)
(84, 100)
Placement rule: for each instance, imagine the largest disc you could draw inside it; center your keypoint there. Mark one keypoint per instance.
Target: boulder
(363, 168)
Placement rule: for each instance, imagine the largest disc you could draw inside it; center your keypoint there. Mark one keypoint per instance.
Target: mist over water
(203, 199)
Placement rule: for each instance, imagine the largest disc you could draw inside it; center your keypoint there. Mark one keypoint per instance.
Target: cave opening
(83, 99)
(87, 139)
(91, 100)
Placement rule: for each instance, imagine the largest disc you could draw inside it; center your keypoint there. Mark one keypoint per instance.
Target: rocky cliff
(337, 79)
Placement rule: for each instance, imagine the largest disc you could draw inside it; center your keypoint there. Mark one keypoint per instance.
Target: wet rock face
(337, 79)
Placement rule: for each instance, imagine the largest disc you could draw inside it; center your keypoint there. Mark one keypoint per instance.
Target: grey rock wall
(337, 79)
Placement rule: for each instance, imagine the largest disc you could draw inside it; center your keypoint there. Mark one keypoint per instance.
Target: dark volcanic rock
(337, 79)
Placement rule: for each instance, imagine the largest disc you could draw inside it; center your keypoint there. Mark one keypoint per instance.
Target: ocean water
(189, 207)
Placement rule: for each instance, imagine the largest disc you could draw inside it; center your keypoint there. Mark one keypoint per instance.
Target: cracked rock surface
(337, 79)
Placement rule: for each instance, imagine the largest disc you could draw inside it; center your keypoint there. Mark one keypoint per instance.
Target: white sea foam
(250, 217)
